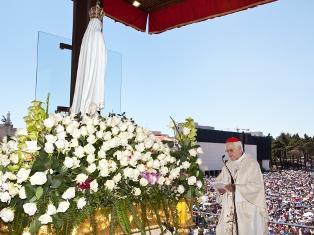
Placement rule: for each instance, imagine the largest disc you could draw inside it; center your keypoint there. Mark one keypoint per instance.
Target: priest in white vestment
(251, 210)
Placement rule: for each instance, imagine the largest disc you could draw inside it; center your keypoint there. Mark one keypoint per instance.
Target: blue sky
(253, 69)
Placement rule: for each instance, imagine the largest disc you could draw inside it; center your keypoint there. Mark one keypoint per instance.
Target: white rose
(31, 146)
(199, 150)
(69, 193)
(80, 178)
(21, 132)
(137, 191)
(81, 203)
(90, 158)
(5, 197)
(101, 153)
(51, 210)
(61, 135)
(164, 170)
(199, 184)
(141, 167)
(13, 190)
(59, 129)
(143, 182)
(94, 186)
(156, 164)
(49, 148)
(74, 143)
(107, 135)
(199, 161)
(79, 152)
(63, 206)
(89, 149)
(22, 175)
(76, 162)
(11, 176)
(61, 143)
(51, 138)
(39, 178)
(110, 184)
(22, 193)
(45, 219)
(91, 139)
(68, 162)
(192, 152)
(191, 180)
(76, 133)
(161, 180)
(7, 215)
(91, 168)
(180, 189)
(99, 134)
(186, 131)
(117, 178)
(90, 129)
(14, 158)
(30, 208)
(186, 165)
(26, 233)
(115, 130)
(49, 123)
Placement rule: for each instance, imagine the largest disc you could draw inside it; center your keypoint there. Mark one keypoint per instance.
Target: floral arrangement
(63, 168)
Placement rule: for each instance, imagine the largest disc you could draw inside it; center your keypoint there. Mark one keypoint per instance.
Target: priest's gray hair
(238, 144)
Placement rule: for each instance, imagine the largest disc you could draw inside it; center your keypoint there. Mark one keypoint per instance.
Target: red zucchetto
(232, 140)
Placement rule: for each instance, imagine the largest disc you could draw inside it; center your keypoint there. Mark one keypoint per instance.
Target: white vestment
(250, 199)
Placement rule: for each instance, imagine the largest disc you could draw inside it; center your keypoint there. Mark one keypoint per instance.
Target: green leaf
(39, 192)
(56, 183)
(29, 190)
(34, 226)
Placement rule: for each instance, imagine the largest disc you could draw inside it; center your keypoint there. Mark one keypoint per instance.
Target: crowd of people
(290, 202)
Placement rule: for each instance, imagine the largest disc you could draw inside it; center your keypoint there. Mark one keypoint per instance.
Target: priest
(241, 185)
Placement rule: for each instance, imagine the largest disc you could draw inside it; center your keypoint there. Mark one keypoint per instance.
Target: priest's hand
(230, 187)
(221, 191)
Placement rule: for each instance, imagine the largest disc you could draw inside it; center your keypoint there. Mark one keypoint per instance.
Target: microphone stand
(233, 196)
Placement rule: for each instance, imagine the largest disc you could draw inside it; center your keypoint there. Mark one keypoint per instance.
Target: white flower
(26, 233)
(30, 208)
(68, 162)
(199, 184)
(180, 189)
(186, 165)
(193, 152)
(80, 178)
(59, 129)
(22, 193)
(191, 180)
(107, 135)
(79, 152)
(31, 146)
(94, 186)
(117, 178)
(89, 149)
(51, 210)
(161, 180)
(90, 158)
(63, 206)
(45, 219)
(91, 168)
(199, 150)
(99, 134)
(156, 164)
(143, 182)
(186, 131)
(69, 193)
(137, 191)
(39, 178)
(110, 184)
(81, 203)
(60, 143)
(22, 175)
(7, 215)
(76, 133)
(13, 190)
(101, 153)
(49, 148)
(164, 170)
(115, 130)
(14, 158)
(74, 143)
(5, 197)
(21, 132)
(49, 122)
(199, 161)
(51, 138)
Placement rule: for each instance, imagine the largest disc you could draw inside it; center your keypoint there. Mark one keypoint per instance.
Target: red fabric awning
(177, 15)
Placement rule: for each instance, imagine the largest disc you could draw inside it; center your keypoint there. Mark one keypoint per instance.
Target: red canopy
(173, 15)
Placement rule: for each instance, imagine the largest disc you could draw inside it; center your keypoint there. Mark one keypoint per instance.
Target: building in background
(6, 128)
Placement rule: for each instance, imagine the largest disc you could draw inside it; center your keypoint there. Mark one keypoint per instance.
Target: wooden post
(80, 21)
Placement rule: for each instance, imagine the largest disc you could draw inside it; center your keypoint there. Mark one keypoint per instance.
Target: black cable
(233, 196)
